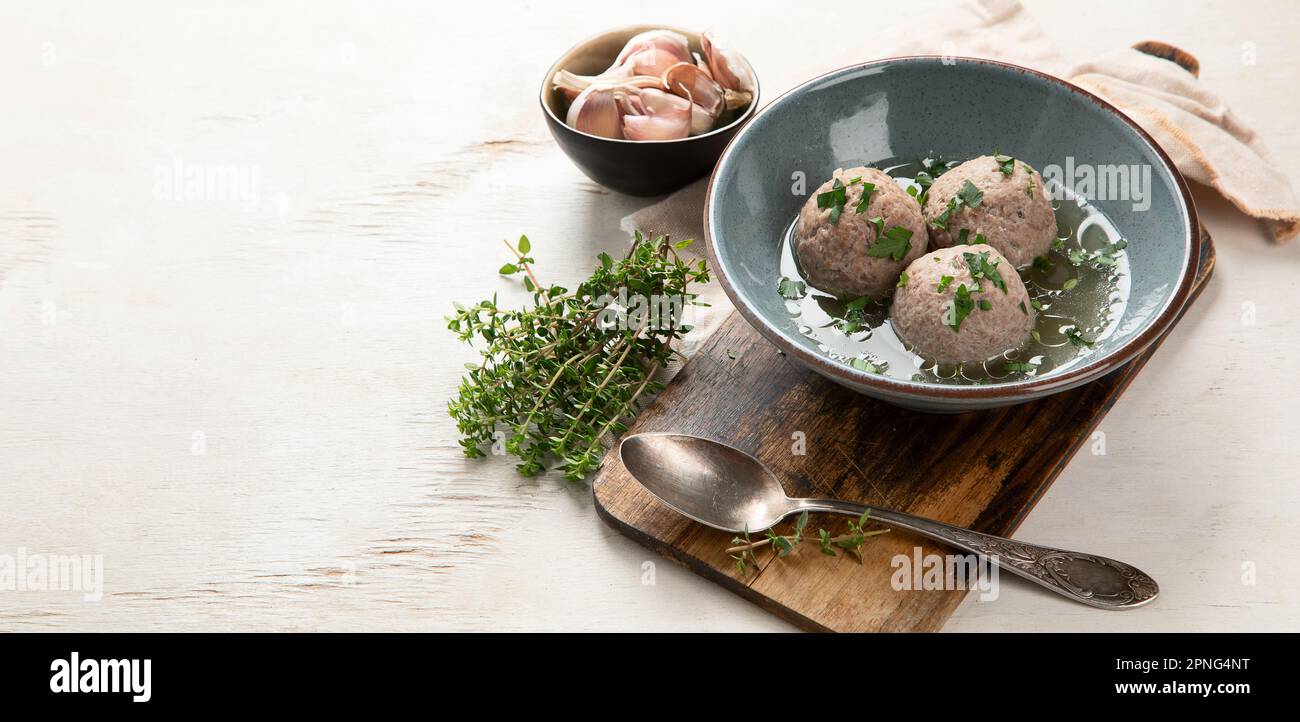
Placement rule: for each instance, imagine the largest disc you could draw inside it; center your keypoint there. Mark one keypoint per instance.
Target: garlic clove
(726, 65)
(688, 81)
(596, 111)
(656, 127)
(571, 84)
(650, 61)
(658, 102)
(651, 114)
(667, 41)
(701, 120)
(702, 64)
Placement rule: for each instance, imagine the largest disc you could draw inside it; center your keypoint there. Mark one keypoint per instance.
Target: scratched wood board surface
(984, 470)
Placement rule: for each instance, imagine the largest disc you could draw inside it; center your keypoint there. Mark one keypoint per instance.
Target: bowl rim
(1015, 390)
(636, 29)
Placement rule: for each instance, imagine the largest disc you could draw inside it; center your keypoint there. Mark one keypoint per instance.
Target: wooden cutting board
(984, 470)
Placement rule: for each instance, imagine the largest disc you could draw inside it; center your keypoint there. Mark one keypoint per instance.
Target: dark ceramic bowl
(635, 167)
(909, 107)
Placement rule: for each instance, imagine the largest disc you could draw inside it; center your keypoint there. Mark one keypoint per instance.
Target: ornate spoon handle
(1096, 581)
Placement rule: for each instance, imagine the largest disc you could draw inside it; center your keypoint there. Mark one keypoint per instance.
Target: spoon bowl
(715, 484)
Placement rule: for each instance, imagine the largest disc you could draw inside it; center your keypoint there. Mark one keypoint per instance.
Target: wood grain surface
(983, 470)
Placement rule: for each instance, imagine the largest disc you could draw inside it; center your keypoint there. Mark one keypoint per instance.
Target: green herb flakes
(1006, 164)
(893, 244)
(962, 305)
(834, 199)
(1077, 339)
(865, 200)
(862, 364)
(970, 195)
(982, 266)
(791, 290)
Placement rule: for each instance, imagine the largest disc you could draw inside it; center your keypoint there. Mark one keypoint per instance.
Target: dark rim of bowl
(555, 67)
(1029, 388)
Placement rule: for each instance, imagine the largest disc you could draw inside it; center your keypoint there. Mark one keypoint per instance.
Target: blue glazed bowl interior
(914, 107)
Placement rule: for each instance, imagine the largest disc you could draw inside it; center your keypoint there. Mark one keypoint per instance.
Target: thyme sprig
(782, 545)
(558, 378)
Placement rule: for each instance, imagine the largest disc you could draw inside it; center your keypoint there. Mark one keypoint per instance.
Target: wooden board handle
(1172, 53)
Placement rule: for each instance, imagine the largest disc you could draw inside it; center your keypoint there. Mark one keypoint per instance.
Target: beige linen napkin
(1205, 140)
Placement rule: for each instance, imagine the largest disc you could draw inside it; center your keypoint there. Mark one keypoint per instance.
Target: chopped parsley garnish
(854, 317)
(941, 221)
(879, 223)
(862, 364)
(902, 279)
(1038, 305)
(962, 305)
(1104, 256)
(963, 237)
(1077, 339)
(858, 304)
(867, 189)
(981, 266)
(1042, 264)
(944, 281)
(970, 195)
(1070, 283)
(791, 290)
(985, 305)
(1006, 163)
(1023, 309)
(834, 199)
(1020, 366)
(893, 244)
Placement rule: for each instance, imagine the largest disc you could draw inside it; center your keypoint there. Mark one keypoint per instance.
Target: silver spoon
(725, 488)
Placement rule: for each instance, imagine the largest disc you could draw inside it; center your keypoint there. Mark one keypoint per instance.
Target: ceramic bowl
(634, 167)
(959, 108)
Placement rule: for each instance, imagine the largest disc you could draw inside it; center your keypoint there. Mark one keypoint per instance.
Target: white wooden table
(236, 393)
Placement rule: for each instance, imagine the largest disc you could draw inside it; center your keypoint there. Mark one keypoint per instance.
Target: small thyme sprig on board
(559, 377)
(852, 542)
